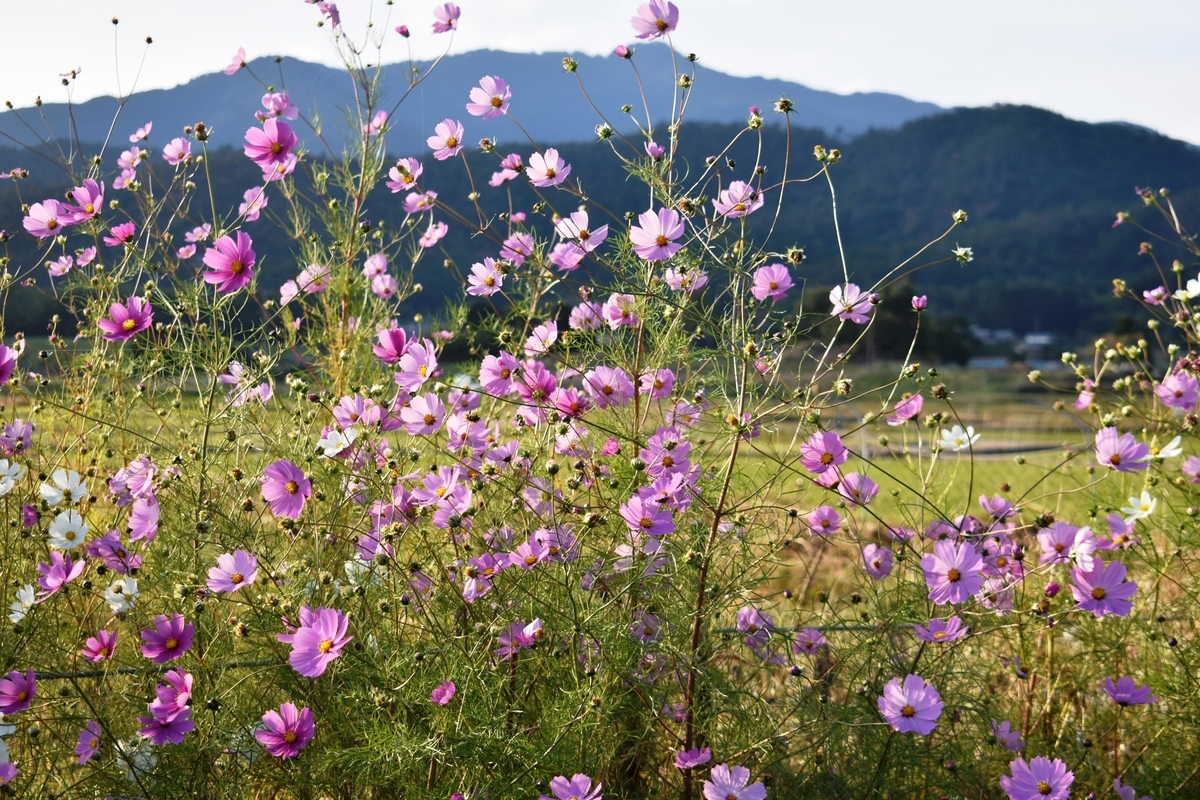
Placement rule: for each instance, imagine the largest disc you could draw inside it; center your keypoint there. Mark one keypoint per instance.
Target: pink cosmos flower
(230, 263)
(237, 62)
(654, 236)
(485, 279)
(404, 175)
(809, 641)
(443, 693)
(919, 302)
(60, 267)
(141, 133)
(1178, 390)
(850, 303)
(121, 234)
(187, 251)
(17, 691)
(516, 638)
(547, 169)
(417, 365)
(578, 788)
(313, 279)
(1126, 692)
(585, 317)
(286, 731)
(1103, 589)
(170, 728)
(727, 782)
(384, 286)
(576, 227)
(433, 234)
(858, 489)
(655, 20)
(911, 707)
(510, 167)
(446, 18)
(253, 202)
(170, 638)
(279, 104)
(771, 281)
(953, 571)
(655, 150)
(940, 632)
(58, 573)
(1120, 451)
(271, 144)
(906, 409)
(517, 248)
(878, 561)
(690, 759)
(233, 571)
(1006, 737)
(100, 647)
(285, 488)
(1156, 297)
(823, 521)
(685, 280)
(608, 386)
(496, 373)
(490, 98)
(739, 200)
(1040, 779)
(88, 743)
(177, 151)
(823, 451)
(447, 139)
(619, 310)
(377, 124)
(423, 415)
(89, 199)
(281, 169)
(1125, 791)
(318, 641)
(1086, 395)
(542, 339)
(393, 343)
(126, 320)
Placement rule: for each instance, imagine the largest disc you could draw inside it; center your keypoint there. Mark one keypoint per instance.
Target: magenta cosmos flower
(655, 19)
(230, 263)
(233, 571)
(911, 707)
(446, 18)
(578, 788)
(100, 647)
(17, 691)
(547, 169)
(318, 641)
(940, 632)
(121, 234)
(89, 199)
(490, 98)
(1040, 779)
(170, 638)
(1103, 589)
(771, 281)
(690, 759)
(878, 561)
(443, 693)
(89, 742)
(953, 571)
(58, 573)
(1120, 451)
(725, 782)
(655, 234)
(823, 451)
(447, 139)
(287, 731)
(166, 728)
(271, 144)
(126, 320)
(809, 641)
(906, 409)
(285, 488)
(1126, 692)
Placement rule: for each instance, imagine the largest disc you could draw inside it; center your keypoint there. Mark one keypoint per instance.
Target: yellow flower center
(497, 102)
(661, 241)
(291, 487)
(1098, 593)
(276, 148)
(171, 644)
(236, 267)
(236, 577)
(129, 324)
(290, 737)
(907, 711)
(953, 575)
(451, 141)
(325, 646)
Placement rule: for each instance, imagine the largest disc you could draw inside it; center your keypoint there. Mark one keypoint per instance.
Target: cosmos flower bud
(402, 30)
(621, 51)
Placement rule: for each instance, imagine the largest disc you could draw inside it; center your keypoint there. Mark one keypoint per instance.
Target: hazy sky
(1097, 60)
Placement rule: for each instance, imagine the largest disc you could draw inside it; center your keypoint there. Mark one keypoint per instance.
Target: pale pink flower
(447, 139)
(490, 98)
(547, 169)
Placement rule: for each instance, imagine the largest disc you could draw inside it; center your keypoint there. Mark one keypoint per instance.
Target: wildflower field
(624, 518)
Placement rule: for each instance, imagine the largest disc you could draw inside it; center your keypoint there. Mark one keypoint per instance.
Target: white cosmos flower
(336, 441)
(66, 484)
(121, 595)
(1171, 449)
(1083, 549)
(25, 600)
(67, 531)
(1191, 292)
(1139, 507)
(957, 439)
(9, 475)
